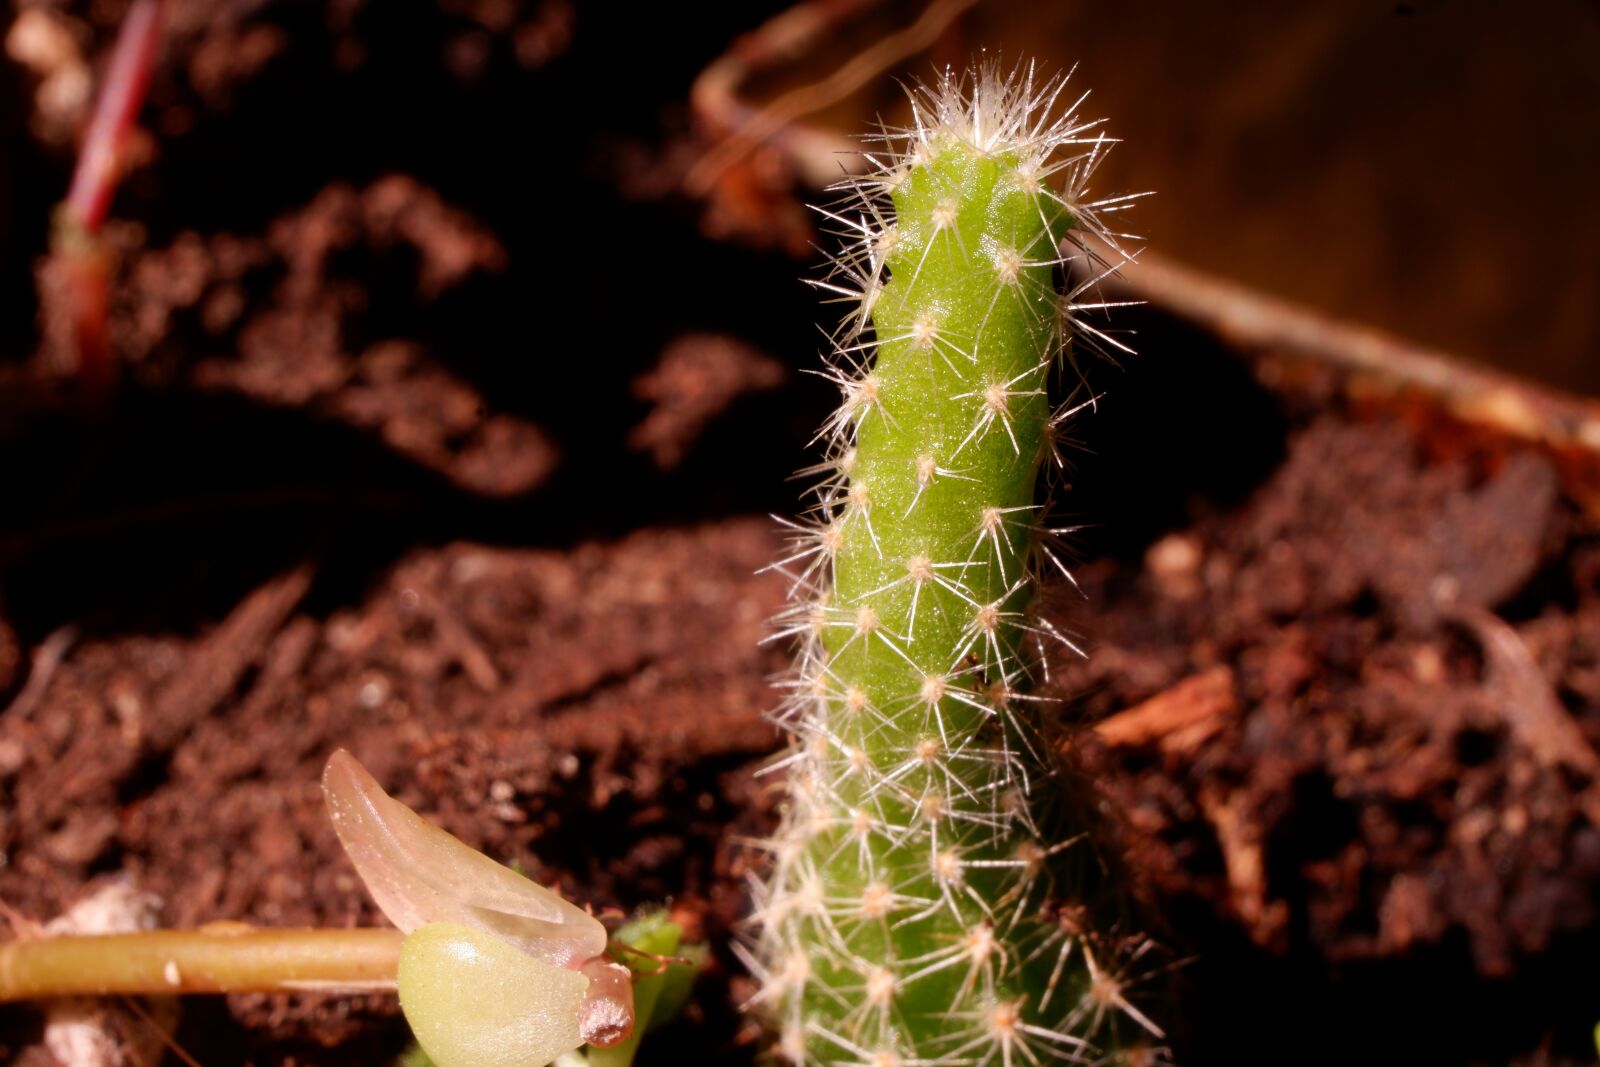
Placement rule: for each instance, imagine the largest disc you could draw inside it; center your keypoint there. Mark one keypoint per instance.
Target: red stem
(82, 261)
(127, 81)
(88, 280)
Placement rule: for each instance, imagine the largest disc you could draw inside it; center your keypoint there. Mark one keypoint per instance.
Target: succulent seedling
(496, 970)
(493, 969)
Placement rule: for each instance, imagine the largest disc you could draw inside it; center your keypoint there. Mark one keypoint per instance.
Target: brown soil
(409, 462)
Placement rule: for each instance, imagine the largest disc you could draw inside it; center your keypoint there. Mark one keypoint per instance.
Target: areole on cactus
(932, 900)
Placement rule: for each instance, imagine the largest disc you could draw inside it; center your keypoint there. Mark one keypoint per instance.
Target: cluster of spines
(926, 906)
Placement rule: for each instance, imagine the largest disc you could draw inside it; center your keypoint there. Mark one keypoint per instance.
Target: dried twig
(1254, 322)
(716, 100)
(47, 660)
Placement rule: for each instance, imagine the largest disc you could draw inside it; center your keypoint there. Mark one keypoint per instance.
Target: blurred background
(1425, 167)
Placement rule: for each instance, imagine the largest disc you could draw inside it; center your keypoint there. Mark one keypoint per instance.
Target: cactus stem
(930, 900)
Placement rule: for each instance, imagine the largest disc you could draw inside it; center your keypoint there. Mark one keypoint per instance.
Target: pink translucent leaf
(418, 873)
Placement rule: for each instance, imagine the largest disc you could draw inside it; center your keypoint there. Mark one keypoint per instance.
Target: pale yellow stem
(200, 961)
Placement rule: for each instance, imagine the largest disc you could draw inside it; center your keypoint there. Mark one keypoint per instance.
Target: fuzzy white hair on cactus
(928, 847)
(496, 970)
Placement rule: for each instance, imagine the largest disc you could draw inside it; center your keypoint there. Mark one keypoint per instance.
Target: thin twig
(665, 962)
(166, 1039)
(1253, 321)
(47, 659)
(715, 95)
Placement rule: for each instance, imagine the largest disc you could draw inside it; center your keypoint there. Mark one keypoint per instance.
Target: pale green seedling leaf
(677, 983)
(474, 1000)
(658, 992)
(419, 874)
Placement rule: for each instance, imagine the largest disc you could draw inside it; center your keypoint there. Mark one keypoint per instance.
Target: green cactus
(927, 905)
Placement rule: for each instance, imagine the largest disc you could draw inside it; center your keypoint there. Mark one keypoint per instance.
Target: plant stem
(127, 80)
(197, 961)
(82, 259)
(927, 906)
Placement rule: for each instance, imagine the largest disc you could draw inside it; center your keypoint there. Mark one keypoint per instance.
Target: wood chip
(1180, 718)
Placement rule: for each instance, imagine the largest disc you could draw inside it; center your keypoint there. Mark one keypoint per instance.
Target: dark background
(1426, 166)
